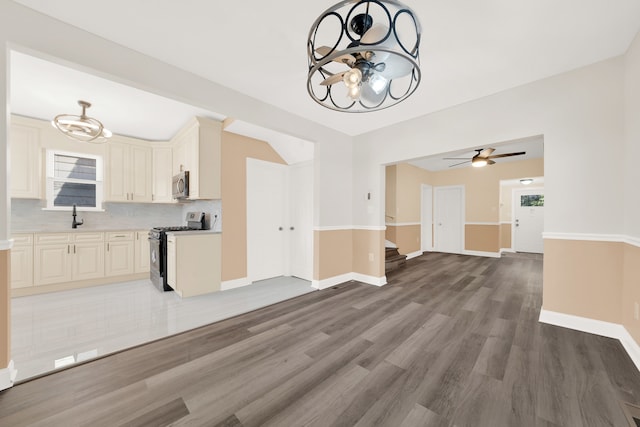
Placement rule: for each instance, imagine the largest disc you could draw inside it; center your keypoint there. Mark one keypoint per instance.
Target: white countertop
(190, 232)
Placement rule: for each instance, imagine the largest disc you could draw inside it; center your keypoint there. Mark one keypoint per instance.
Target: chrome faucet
(74, 223)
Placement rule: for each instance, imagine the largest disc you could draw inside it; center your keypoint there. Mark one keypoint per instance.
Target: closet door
(267, 220)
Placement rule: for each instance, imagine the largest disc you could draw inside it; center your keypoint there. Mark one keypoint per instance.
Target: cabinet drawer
(88, 237)
(22, 239)
(52, 238)
(116, 236)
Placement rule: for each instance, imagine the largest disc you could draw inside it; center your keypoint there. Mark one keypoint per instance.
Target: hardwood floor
(452, 340)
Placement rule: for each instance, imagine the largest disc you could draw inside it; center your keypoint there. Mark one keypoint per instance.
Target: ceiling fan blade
(490, 162)
(497, 156)
(458, 164)
(373, 35)
(332, 79)
(486, 152)
(343, 59)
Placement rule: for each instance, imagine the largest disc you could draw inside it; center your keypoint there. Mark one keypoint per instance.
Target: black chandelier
(363, 55)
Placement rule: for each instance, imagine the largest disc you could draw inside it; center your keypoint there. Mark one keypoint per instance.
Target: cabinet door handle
(68, 249)
(107, 247)
(74, 249)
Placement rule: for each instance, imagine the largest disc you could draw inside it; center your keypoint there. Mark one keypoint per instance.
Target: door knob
(280, 228)
(291, 228)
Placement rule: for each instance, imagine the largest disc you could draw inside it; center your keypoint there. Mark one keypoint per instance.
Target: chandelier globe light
(363, 55)
(82, 128)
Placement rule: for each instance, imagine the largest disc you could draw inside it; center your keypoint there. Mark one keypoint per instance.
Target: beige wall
(631, 290)
(362, 241)
(333, 253)
(235, 151)
(505, 236)
(403, 205)
(390, 193)
(571, 285)
(482, 237)
(406, 237)
(5, 306)
(482, 185)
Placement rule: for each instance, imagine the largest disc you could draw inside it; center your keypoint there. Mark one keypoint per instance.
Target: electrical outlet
(636, 313)
(371, 256)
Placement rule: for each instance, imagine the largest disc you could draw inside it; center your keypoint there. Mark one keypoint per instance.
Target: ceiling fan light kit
(363, 55)
(526, 181)
(483, 157)
(81, 128)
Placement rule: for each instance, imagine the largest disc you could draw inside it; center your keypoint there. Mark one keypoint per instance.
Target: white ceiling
(469, 48)
(532, 146)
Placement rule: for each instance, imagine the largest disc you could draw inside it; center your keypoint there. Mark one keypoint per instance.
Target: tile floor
(53, 330)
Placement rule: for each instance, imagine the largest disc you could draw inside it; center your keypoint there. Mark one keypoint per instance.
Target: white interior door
(426, 220)
(266, 219)
(449, 219)
(528, 220)
(300, 227)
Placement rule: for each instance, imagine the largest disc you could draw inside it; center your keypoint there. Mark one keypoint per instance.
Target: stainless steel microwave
(180, 185)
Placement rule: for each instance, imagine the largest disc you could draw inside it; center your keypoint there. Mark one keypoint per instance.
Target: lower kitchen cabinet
(22, 261)
(142, 251)
(119, 258)
(65, 257)
(85, 257)
(193, 262)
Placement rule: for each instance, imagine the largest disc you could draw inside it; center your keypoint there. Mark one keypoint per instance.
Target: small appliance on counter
(158, 244)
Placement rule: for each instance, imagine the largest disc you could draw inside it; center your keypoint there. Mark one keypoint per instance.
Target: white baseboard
(235, 283)
(481, 253)
(8, 376)
(414, 254)
(336, 280)
(507, 250)
(331, 281)
(370, 280)
(597, 327)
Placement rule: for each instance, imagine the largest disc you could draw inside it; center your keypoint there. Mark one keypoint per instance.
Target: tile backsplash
(27, 215)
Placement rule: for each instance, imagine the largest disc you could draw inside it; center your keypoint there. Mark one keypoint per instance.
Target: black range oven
(158, 246)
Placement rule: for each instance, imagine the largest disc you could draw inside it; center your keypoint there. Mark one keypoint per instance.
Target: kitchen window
(74, 178)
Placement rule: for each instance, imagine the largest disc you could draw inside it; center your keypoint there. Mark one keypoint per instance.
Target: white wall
(30, 32)
(580, 115)
(632, 140)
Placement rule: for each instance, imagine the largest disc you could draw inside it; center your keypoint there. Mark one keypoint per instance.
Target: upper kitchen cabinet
(162, 168)
(197, 149)
(26, 163)
(128, 172)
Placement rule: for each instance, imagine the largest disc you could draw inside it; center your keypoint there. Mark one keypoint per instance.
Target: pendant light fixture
(82, 128)
(363, 55)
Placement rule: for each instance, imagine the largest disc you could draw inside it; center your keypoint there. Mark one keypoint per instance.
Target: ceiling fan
(483, 157)
(369, 72)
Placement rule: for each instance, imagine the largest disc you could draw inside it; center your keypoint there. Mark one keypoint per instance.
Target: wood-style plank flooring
(451, 340)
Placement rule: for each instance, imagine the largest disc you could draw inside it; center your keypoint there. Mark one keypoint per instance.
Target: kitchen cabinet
(162, 174)
(22, 261)
(64, 257)
(197, 149)
(193, 262)
(142, 251)
(119, 259)
(26, 163)
(128, 172)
